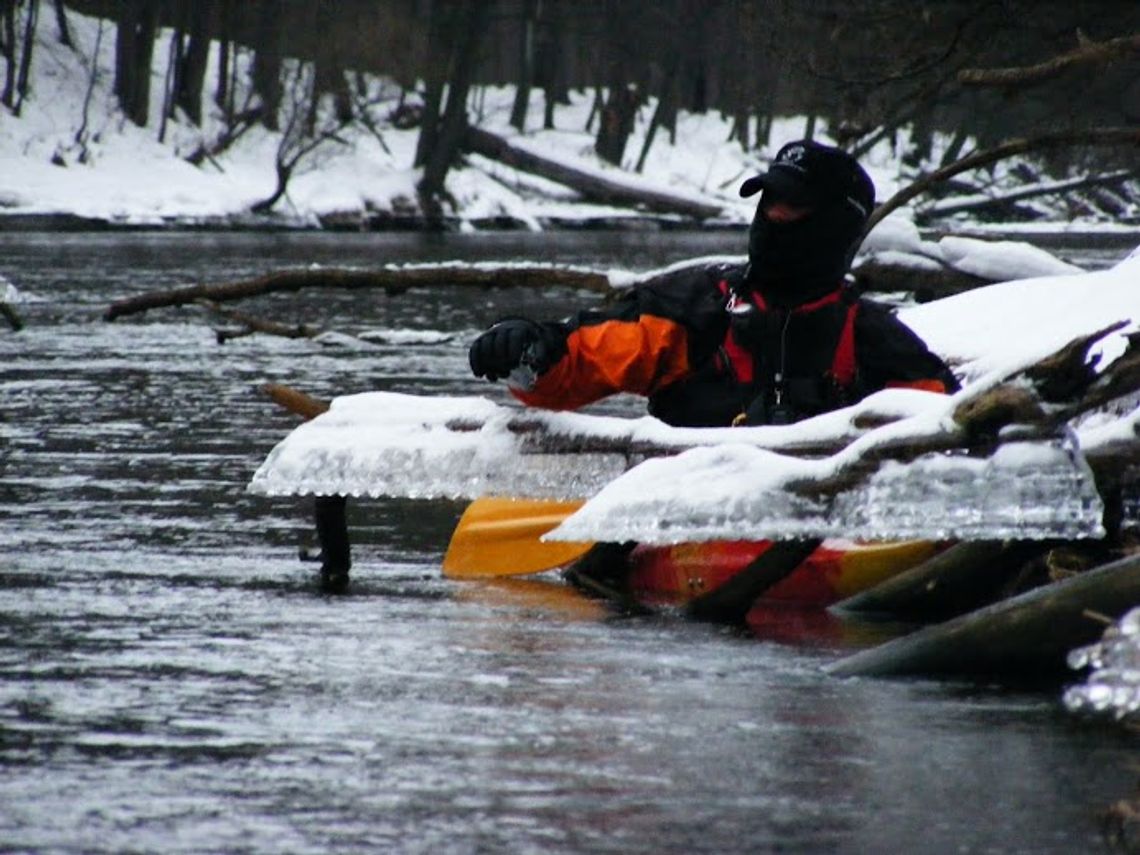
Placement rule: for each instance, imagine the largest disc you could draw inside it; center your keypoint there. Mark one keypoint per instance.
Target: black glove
(511, 343)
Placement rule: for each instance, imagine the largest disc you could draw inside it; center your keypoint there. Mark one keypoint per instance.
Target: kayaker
(771, 341)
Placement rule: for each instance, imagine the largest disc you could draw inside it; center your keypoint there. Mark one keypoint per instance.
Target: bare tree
(528, 23)
(297, 142)
(453, 123)
(191, 74)
(134, 53)
(17, 50)
(8, 47)
(622, 96)
(61, 25)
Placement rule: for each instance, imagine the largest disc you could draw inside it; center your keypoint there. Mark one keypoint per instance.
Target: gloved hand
(509, 344)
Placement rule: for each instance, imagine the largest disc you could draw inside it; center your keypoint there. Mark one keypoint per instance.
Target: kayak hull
(837, 569)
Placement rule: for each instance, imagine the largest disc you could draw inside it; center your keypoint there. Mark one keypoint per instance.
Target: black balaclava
(800, 261)
(792, 263)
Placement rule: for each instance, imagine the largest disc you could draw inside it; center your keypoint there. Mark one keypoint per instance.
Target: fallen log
(394, 279)
(295, 401)
(933, 281)
(959, 579)
(1025, 637)
(593, 186)
(946, 207)
(978, 467)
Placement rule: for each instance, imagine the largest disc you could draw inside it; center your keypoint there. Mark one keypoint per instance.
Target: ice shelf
(1024, 490)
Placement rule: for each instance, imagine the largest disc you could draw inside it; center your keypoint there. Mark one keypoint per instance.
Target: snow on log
(895, 481)
(596, 186)
(382, 444)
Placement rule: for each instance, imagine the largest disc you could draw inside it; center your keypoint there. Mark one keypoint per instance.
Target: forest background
(859, 73)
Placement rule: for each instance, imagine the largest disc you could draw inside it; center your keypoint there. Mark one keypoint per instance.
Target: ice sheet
(1028, 491)
(389, 444)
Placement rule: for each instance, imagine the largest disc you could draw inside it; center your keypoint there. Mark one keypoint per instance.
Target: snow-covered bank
(73, 160)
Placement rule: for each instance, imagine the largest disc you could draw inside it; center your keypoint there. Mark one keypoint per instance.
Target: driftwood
(1059, 139)
(1087, 52)
(394, 279)
(591, 185)
(295, 401)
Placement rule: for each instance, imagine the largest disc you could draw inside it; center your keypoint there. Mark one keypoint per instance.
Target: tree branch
(1059, 139)
(1088, 53)
(394, 279)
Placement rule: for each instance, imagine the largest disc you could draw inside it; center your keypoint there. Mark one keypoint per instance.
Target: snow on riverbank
(72, 153)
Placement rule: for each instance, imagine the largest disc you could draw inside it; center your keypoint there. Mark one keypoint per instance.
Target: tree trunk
(192, 73)
(61, 25)
(267, 65)
(666, 107)
(25, 56)
(616, 123)
(530, 11)
(592, 186)
(438, 60)
(453, 125)
(328, 72)
(225, 48)
(134, 53)
(8, 22)
(550, 65)
(618, 112)
(170, 84)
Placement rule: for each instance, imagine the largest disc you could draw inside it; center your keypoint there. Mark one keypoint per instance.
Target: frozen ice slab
(385, 444)
(1024, 490)
(1113, 684)
(389, 444)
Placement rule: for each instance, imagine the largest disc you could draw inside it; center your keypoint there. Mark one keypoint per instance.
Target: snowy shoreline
(73, 163)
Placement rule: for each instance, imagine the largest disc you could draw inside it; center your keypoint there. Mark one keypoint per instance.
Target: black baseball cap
(812, 174)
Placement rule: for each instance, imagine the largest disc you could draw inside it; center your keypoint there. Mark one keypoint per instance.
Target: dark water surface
(171, 681)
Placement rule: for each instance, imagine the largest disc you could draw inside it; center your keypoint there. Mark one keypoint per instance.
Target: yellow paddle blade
(500, 537)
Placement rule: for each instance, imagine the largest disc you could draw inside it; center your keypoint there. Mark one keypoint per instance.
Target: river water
(171, 680)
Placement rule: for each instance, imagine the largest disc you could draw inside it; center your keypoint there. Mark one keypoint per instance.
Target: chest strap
(739, 357)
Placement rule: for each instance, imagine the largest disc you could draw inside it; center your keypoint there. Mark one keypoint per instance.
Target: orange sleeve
(923, 385)
(638, 356)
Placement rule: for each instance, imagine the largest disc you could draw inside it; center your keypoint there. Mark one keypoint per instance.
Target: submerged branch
(252, 324)
(12, 317)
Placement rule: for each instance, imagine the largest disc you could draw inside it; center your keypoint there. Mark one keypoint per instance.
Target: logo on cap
(793, 154)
